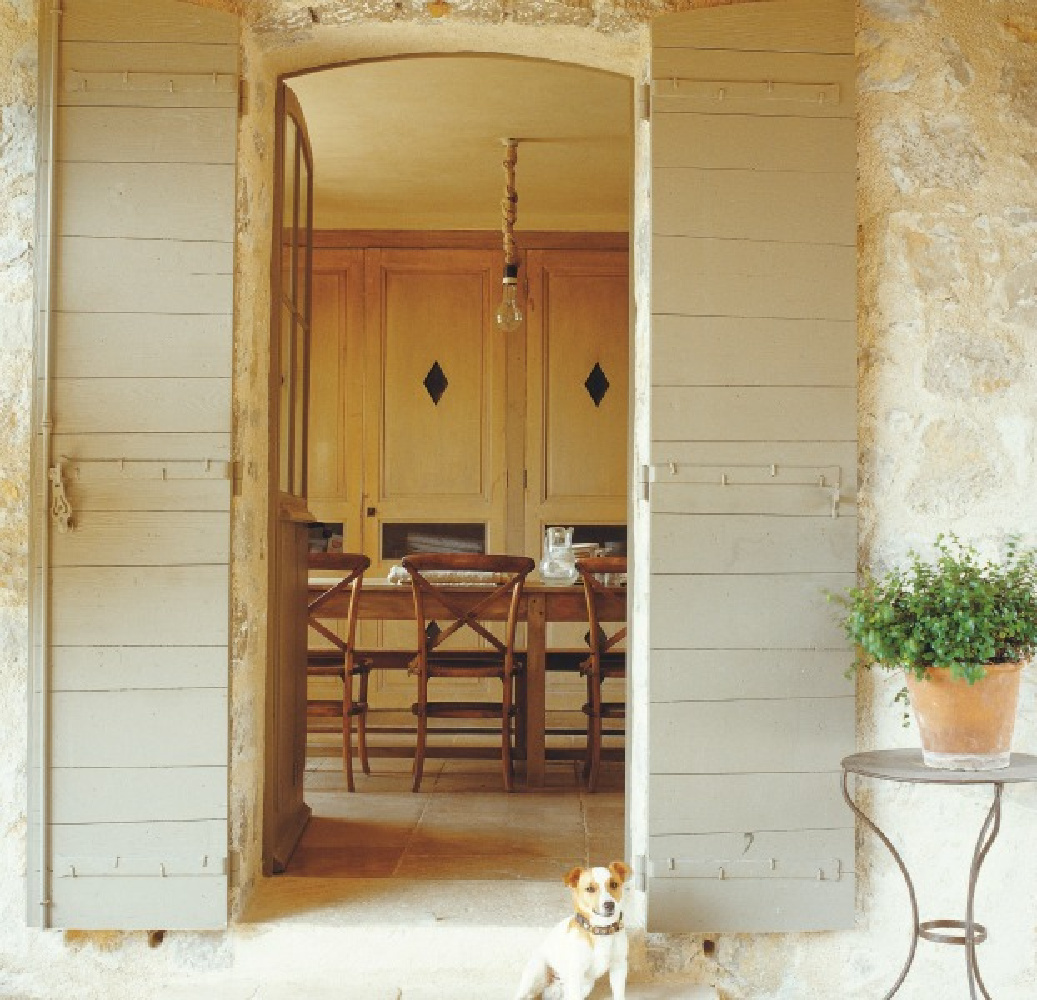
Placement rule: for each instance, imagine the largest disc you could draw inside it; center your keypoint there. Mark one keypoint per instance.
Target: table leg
(907, 879)
(536, 695)
(987, 836)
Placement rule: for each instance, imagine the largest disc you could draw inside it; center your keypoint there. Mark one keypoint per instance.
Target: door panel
(577, 390)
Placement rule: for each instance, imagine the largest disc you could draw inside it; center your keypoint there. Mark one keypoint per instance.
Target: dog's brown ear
(620, 870)
(572, 877)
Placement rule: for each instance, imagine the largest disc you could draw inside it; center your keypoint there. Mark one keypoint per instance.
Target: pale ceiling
(415, 144)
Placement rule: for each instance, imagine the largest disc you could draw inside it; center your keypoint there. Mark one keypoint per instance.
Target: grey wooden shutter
(142, 332)
(752, 481)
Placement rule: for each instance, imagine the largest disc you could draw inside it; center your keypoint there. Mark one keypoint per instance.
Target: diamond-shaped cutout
(597, 384)
(435, 383)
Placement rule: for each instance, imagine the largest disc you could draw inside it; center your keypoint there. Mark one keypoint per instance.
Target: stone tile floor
(439, 895)
(460, 826)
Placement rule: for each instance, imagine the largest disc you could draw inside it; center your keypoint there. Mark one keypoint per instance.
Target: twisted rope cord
(509, 203)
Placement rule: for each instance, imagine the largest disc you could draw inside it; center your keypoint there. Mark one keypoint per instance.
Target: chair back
(591, 570)
(441, 576)
(354, 566)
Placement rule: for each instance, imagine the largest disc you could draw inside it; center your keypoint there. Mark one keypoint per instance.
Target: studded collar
(585, 924)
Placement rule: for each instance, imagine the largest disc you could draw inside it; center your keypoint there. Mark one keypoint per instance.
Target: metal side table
(907, 766)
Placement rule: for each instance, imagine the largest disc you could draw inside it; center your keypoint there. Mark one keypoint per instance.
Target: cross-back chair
(341, 660)
(606, 659)
(496, 659)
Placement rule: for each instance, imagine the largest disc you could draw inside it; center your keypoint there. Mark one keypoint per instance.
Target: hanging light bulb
(509, 313)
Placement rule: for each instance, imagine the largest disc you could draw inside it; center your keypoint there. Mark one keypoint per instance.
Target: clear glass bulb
(509, 314)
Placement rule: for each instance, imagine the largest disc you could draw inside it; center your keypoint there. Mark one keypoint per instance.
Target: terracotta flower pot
(966, 727)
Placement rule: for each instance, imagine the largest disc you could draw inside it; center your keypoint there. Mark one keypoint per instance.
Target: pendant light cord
(509, 203)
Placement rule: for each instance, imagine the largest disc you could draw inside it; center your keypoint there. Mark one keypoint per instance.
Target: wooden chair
(342, 660)
(605, 660)
(497, 659)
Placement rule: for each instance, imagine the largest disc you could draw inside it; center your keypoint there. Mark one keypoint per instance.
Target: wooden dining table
(541, 603)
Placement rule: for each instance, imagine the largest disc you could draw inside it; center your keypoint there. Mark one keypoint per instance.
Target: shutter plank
(172, 838)
(141, 345)
(753, 278)
(134, 276)
(132, 200)
(144, 135)
(109, 728)
(157, 405)
(745, 140)
(84, 795)
(729, 543)
(140, 605)
(792, 26)
(130, 21)
(144, 538)
(727, 350)
(793, 734)
(104, 668)
(751, 413)
(110, 903)
(752, 907)
(739, 611)
(686, 804)
(750, 205)
(725, 674)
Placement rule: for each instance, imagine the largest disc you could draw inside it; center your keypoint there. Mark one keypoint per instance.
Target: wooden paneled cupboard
(425, 419)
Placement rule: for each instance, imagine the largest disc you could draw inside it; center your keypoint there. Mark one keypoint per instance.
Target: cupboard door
(577, 378)
(434, 402)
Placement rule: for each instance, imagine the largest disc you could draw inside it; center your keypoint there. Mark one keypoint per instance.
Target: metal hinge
(646, 102)
(242, 97)
(236, 477)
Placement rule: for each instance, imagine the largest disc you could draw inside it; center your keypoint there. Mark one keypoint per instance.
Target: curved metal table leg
(910, 887)
(987, 836)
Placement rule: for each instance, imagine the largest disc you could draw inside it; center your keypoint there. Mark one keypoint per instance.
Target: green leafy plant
(957, 611)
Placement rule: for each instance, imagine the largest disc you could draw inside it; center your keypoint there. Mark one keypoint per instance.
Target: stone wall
(17, 207)
(948, 411)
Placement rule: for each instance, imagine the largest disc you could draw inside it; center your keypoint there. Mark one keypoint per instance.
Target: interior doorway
(405, 210)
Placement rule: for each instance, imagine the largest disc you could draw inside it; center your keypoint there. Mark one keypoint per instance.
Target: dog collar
(582, 921)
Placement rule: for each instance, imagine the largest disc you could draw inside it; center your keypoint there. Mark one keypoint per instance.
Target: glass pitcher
(559, 562)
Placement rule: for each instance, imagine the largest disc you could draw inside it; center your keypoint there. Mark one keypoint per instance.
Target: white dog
(581, 948)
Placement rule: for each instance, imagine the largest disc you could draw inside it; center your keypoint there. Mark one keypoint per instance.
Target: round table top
(907, 765)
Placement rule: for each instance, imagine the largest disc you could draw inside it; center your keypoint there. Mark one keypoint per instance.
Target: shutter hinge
(242, 97)
(646, 483)
(525, 479)
(640, 873)
(646, 101)
(235, 478)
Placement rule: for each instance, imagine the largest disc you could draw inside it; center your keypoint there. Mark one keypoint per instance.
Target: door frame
(636, 764)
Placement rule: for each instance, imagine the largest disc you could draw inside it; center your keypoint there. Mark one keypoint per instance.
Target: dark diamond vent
(597, 385)
(435, 383)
